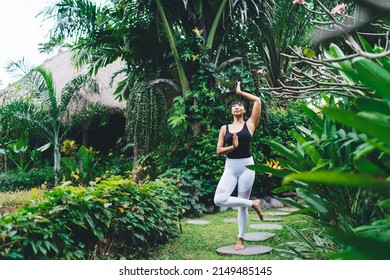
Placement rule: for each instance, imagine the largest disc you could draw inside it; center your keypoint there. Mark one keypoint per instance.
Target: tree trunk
(138, 168)
(85, 136)
(5, 161)
(57, 163)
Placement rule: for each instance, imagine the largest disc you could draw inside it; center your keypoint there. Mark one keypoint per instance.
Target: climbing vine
(144, 117)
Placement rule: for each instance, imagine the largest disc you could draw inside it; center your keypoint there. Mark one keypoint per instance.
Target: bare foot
(257, 207)
(239, 244)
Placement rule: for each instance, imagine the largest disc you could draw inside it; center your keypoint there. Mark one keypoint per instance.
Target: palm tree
(148, 35)
(45, 112)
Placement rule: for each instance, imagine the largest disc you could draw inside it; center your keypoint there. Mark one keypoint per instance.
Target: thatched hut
(64, 71)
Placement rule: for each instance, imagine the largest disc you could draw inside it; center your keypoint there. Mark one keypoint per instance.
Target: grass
(14, 198)
(199, 242)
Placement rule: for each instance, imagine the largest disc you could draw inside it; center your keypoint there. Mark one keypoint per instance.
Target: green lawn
(199, 242)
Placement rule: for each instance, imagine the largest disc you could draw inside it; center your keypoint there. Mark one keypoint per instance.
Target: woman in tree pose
(234, 142)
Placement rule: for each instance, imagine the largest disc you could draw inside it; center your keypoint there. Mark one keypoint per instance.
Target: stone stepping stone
(258, 236)
(230, 220)
(198, 222)
(269, 219)
(276, 213)
(288, 209)
(249, 250)
(266, 226)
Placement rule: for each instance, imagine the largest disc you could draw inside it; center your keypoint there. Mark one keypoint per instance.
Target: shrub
(15, 180)
(185, 181)
(114, 218)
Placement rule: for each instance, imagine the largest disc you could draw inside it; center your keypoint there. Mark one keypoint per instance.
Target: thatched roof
(63, 71)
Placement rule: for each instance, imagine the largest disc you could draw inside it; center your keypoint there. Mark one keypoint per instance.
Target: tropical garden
(321, 69)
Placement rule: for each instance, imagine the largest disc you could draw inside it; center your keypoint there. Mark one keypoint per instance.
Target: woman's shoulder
(224, 128)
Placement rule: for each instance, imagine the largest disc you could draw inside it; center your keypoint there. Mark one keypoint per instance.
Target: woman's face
(238, 109)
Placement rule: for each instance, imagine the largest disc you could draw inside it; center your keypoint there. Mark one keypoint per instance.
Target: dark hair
(238, 101)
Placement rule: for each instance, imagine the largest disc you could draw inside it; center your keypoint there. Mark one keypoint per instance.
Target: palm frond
(73, 87)
(47, 93)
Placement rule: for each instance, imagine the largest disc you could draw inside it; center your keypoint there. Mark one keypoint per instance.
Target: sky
(21, 32)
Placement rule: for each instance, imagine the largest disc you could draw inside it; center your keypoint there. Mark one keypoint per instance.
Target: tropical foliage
(339, 166)
(43, 111)
(325, 114)
(111, 219)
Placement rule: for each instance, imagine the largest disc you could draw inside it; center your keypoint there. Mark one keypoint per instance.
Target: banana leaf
(337, 178)
(373, 76)
(362, 123)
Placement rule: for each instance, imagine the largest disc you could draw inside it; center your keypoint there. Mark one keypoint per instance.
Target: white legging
(236, 173)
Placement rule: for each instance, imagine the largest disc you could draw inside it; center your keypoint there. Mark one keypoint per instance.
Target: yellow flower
(273, 164)
(3, 236)
(75, 175)
(69, 146)
(197, 31)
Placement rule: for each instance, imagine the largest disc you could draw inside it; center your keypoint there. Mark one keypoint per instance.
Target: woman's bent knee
(219, 201)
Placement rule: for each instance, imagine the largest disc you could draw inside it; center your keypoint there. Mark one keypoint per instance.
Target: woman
(238, 136)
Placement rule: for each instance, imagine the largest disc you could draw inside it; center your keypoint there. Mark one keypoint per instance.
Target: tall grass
(15, 198)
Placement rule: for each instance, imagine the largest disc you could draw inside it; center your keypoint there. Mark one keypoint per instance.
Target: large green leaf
(372, 105)
(338, 178)
(282, 150)
(310, 149)
(336, 52)
(266, 169)
(313, 200)
(361, 123)
(384, 203)
(367, 47)
(373, 76)
(311, 114)
(365, 166)
(363, 248)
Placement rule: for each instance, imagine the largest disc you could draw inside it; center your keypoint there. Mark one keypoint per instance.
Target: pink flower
(339, 9)
(299, 2)
(260, 71)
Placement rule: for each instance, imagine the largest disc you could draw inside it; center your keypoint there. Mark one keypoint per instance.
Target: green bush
(115, 218)
(185, 181)
(82, 167)
(14, 180)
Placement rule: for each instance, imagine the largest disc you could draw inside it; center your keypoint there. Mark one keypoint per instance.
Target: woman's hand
(238, 88)
(235, 141)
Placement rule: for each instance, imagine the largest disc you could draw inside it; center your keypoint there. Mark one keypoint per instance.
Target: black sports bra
(244, 141)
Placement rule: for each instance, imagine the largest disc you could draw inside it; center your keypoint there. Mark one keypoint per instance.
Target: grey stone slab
(276, 213)
(230, 220)
(198, 222)
(249, 250)
(258, 236)
(288, 209)
(266, 226)
(267, 219)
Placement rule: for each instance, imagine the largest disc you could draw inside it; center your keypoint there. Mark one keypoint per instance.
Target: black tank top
(244, 141)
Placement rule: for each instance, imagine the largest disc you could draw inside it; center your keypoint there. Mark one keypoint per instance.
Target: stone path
(230, 220)
(277, 213)
(198, 222)
(249, 250)
(266, 219)
(252, 249)
(268, 224)
(258, 236)
(288, 209)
